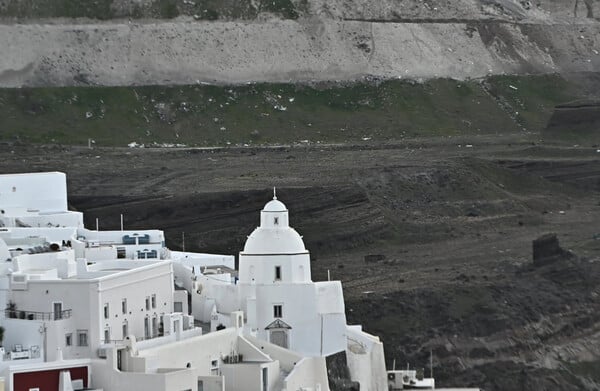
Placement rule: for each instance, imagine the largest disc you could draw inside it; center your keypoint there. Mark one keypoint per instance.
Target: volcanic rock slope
(110, 42)
(432, 241)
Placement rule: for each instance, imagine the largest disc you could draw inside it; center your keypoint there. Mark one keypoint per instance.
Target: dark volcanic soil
(448, 228)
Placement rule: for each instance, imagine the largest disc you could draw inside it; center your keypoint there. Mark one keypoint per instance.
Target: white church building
(117, 310)
(281, 303)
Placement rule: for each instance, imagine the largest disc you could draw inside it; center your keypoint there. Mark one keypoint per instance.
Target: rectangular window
(154, 327)
(58, 312)
(82, 338)
(147, 303)
(125, 330)
(68, 339)
(106, 311)
(178, 306)
(278, 311)
(124, 306)
(153, 301)
(147, 328)
(107, 335)
(214, 367)
(277, 273)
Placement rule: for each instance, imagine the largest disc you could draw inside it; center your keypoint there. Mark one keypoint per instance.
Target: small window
(214, 367)
(106, 313)
(125, 330)
(178, 306)
(69, 339)
(106, 335)
(147, 327)
(147, 303)
(277, 311)
(124, 306)
(276, 220)
(82, 338)
(277, 273)
(153, 301)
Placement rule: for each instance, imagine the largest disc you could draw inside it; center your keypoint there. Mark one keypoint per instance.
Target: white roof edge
(33, 173)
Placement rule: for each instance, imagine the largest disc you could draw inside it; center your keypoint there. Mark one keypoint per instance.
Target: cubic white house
(117, 310)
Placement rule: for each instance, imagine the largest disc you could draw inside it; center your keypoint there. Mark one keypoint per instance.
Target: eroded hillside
(109, 43)
(432, 241)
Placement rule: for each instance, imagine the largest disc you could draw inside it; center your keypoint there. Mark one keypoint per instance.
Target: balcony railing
(34, 315)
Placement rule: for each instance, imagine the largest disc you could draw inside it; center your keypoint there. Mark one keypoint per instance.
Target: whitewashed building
(117, 310)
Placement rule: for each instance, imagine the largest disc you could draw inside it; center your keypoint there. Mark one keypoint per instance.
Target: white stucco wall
(287, 358)
(260, 269)
(31, 218)
(303, 372)
(74, 295)
(248, 376)
(109, 379)
(44, 191)
(311, 333)
(21, 237)
(211, 383)
(23, 332)
(366, 360)
(86, 299)
(201, 260)
(310, 371)
(197, 351)
(135, 286)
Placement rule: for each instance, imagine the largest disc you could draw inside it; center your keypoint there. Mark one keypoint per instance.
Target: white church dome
(275, 206)
(274, 241)
(274, 236)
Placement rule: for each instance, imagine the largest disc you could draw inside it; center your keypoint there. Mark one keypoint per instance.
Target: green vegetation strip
(205, 115)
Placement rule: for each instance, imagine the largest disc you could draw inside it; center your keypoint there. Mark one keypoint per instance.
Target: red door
(47, 380)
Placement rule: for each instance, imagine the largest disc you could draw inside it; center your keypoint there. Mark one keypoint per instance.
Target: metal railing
(34, 315)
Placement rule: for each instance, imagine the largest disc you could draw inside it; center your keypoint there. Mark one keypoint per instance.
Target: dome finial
(274, 193)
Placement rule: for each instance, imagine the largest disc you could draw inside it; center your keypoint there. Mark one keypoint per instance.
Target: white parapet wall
(366, 360)
(308, 371)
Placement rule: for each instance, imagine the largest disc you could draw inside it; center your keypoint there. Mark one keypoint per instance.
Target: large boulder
(546, 250)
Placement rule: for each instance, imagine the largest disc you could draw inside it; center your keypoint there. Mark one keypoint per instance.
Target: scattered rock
(372, 258)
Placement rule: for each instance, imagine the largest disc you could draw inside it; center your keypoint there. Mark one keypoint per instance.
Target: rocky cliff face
(301, 41)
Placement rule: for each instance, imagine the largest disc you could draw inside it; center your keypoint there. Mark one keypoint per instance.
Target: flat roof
(32, 173)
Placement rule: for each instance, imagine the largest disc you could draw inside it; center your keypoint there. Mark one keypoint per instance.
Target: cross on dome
(274, 193)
